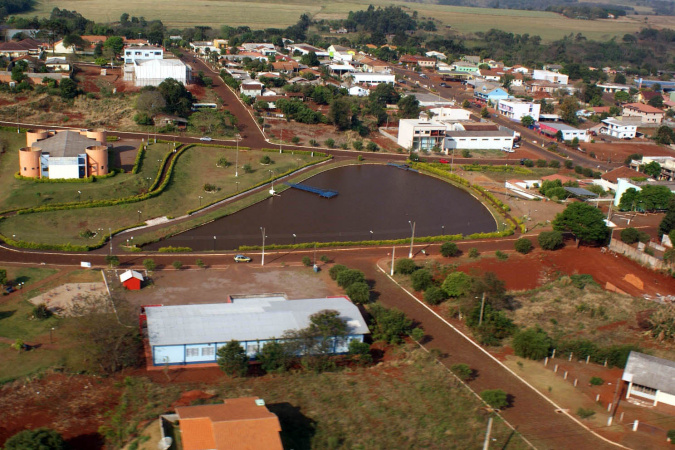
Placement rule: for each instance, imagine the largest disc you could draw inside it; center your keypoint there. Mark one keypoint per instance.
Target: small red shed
(132, 280)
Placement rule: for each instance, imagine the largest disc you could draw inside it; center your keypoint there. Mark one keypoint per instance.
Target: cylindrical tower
(32, 136)
(99, 135)
(29, 162)
(97, 160)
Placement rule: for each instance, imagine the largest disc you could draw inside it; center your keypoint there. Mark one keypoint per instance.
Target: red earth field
(618, 151)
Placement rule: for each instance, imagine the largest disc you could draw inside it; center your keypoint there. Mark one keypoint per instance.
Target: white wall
(477, 143)
(64, 170)
(662, 397)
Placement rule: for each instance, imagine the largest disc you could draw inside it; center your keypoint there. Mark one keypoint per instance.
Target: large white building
(142, 53)
(516, 109)
(552, 77)
(154, 71)
(450, 114)
(568, 132)
(478, 140)
(421, 134)
(374, 78)
(618, 128)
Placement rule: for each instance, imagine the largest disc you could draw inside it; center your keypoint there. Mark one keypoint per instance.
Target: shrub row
(311, 163)
(442, 173)
(171, 249)
(139, 159)
(294, 152)
(494, 200)
(485, 168)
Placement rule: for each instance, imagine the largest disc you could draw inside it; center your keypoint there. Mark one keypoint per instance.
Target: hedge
(485, 168)
(442, 173)
(139, 159)
(171, 249)
(294, 152)
(89, 179)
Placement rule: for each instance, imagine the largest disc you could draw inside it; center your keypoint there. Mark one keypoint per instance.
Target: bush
(149, 264)
(41, 438)
(358, 145)
(456, 284)
(274, 357)
(372, 147)
(632, 235)
(550, 240)
(585, 413)
(434, 295)
(417, 334)
(306, 261)
(501, 255)
(473, 252)
(421, 279)
(532, 343)
(569, 164)
(247, 168)
(359, 292)
(528, 162)
(335, 271)
(350, 276)
(671, 436)
(177, 265)
(597, 381)
(495, 398)
(360, 352)
(541, 163)
(389, 324)
(463, 371)
(523, 245)
(466, 153)
(265, 160)
(449, 249)
(330, 143)
(42, 312)
(554, 164)
(405, 266)
(295, 140)
(232, 359)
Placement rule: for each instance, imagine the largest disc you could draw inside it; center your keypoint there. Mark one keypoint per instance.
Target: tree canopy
(585, 221)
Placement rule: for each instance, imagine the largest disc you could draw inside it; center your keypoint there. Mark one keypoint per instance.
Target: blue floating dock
(325, 193)
(402, 166)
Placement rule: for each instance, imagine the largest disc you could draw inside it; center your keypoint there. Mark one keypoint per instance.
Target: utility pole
(393, 250)
(482, 307)
(262, 261)
(412, 238)
(486, 443)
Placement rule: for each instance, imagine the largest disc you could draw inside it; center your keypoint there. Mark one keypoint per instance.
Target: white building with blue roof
(192, 334)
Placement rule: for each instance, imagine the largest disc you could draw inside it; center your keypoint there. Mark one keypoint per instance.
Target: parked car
(8, 289)
(516, 145)
(242, 258)
(205, 139)
(443, 161)
(443, 85)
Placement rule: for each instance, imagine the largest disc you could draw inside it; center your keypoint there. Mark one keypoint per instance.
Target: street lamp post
(236, 157)
(412, 238)
(51, 338)
(294, 236)
(237, 183)
(214, 243)
(262, 261)
(200, 201)
(371, 235)
(110, 233)
(139, 215)
(442, 230)
(79, 195)
(393, 251)
(482, 307)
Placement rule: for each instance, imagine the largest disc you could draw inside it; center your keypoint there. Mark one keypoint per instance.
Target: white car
(508, 150)
(205, 139)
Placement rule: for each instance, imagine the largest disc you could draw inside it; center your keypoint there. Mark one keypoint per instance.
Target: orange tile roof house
(647, 113)
(238, 424)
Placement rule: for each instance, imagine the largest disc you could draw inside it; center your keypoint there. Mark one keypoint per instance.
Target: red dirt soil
(72, 405)
(618, 151)
(527, 272)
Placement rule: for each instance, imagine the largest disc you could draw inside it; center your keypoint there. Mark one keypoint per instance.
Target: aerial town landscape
(337, 225)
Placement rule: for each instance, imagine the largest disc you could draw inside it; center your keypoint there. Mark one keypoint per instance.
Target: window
(643, 389)
(191, 352)
(208, 351)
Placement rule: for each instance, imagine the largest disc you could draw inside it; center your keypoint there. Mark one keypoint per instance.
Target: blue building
(190, 334)
(491, 95)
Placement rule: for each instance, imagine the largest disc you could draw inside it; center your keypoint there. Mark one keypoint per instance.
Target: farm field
(271, 13)
(194, 168)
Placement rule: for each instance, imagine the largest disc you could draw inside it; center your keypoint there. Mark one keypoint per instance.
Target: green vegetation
(532, 343)
(232, 359)
(449, 249)
(585, 221)
(389, 324)
(632, 235)
(495, 398)
(550, 240)
(463, 371)
(585, 413)
(523, 245)
(405, 266)
(41, 438)
(597, 381)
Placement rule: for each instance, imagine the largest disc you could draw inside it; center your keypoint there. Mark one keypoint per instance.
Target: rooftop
(559, 126)
(622, 172)
(482, 133)
(650, 371)
(245, 319)
(643, 108)
(237, 424)
(66, 144)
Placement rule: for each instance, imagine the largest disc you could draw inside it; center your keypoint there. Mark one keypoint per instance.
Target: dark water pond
(381, 199)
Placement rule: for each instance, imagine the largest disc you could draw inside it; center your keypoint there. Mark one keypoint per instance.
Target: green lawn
(281, 13)
(194, 168)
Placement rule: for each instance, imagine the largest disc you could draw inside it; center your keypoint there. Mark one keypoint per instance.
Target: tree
(456, 284)
(68, 89)
(421, 279)
(178, 99)
(620, 78)
(359, 292)
(317, 341)
(232, 359)
(668, 222)
(18, 74)
(409, 107)
(348, 277)
(149, 264)
(75, 41)
(405, 266)
(496, 398)
(463, 371)
(449, 249)
(434, 295)
(656, 101)
(523, 245)
(115, 44)
(568, 110)
(200, 263)
(466, 104)
(113, 260)
(340, 113)
(384, 94)
(335, 270)
(310, 59)
(177, 265)
(533, 343)
(39, 439)
(275, 357)
(3, 277)
(550, 240)
(653, 169)
(527, 121)
(622, 96)
(389, 324)
(360, 352)
(586, 222)
(150, 101)
(484, 113)
(143, 118)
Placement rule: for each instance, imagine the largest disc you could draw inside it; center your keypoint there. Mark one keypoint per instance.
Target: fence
(635, 254)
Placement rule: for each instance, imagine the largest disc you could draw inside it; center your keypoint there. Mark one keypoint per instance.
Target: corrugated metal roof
(580, 192)
(650, 371)
(245, 319)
